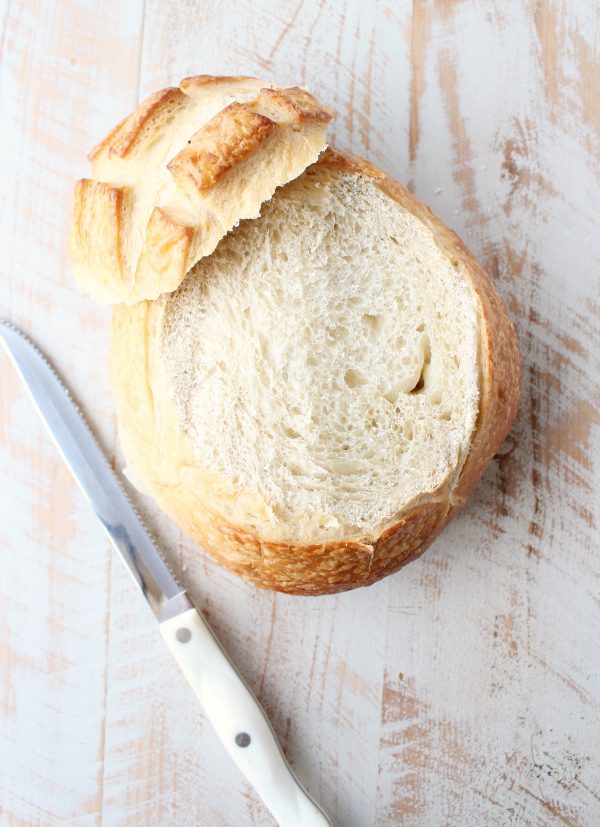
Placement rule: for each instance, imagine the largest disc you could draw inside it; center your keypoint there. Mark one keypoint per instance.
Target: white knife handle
(239, 720)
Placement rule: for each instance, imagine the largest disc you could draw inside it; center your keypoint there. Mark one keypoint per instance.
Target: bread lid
(175, 176)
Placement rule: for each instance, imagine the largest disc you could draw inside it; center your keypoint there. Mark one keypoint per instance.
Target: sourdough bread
(321, 394)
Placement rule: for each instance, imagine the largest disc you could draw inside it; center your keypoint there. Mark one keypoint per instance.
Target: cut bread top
(324, 362)
(178, 173)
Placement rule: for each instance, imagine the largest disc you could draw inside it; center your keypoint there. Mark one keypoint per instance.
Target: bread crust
(162, 455)
(150, 116)
(97, 229)
(226, 164)
(229, 138)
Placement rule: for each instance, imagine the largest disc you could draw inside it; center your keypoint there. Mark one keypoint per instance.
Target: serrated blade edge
(94, 475)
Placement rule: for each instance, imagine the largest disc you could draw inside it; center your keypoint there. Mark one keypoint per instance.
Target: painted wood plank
(499, 724)
(66, 69)
(463, 690)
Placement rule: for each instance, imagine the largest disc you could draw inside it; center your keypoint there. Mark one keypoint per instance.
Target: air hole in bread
(501, 399)
(373, 323)
(426, 345)
(339, 332)
(354, 378)
(420, 383)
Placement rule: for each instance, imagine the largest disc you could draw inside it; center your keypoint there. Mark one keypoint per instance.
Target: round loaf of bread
(322, 392)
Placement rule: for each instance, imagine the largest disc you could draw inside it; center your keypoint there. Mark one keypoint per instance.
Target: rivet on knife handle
(239, 720)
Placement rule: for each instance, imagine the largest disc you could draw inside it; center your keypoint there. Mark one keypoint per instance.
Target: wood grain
(462, 691)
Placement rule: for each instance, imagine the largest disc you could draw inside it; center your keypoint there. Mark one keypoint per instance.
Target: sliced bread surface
(324, 360)
(320, 395)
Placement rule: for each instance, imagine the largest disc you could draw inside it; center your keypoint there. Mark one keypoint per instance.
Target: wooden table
(462, 691)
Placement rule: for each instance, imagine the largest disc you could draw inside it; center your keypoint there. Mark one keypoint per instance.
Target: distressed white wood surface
(462, 691)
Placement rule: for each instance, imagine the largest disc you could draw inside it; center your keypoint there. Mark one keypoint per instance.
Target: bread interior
(324, 362)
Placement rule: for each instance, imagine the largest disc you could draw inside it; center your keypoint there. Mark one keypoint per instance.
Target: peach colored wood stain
(462, 691)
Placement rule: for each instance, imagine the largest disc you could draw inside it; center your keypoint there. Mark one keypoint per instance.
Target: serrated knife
(236, 715)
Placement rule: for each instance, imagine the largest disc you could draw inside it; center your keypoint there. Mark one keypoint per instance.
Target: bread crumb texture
(324, 361)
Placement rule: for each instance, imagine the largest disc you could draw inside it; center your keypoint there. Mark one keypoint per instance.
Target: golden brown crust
(226, 140)
(151, 114)
(297, 104)
(152, 439)
(309, 569)
(198, 82)
(500, 384)
(229, 164)
(97, 226)
(165, 254)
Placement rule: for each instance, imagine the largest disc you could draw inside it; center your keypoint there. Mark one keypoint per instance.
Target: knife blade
(235, 713)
